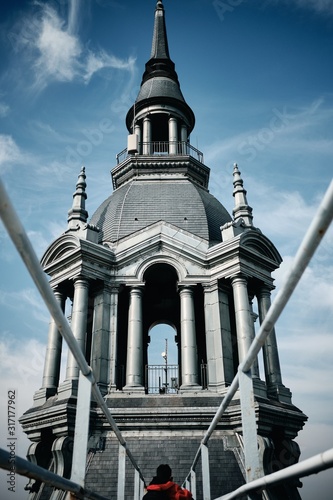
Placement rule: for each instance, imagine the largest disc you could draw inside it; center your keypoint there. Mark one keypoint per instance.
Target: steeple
(160, 95)
(242, 209)
(78, 212)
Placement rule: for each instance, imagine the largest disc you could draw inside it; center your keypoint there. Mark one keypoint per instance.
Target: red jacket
(174, 491)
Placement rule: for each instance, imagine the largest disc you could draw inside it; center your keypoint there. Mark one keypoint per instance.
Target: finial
(78, 211)
(159, 4)
(242, 209)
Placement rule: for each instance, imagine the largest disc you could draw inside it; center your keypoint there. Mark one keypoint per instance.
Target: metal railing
(163, 148)
(87, 382)
(162, 379)
(243, 379)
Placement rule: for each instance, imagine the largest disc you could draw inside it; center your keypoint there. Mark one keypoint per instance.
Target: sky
(258, 76)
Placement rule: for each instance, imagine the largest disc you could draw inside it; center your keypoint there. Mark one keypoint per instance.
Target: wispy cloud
(9, 152)
(56, 52)
(319, 6)
(4, 109)
(27, 298)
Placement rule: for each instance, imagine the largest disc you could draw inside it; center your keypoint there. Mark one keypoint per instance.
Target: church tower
(162, 250)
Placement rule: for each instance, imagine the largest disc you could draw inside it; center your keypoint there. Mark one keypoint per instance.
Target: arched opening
(161, 322)
(162, 369)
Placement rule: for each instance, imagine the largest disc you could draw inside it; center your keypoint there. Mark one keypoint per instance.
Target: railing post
(193, 483)
(81, 430)
(205, 472)
(121, 472)
(138, 486)
(252, 467)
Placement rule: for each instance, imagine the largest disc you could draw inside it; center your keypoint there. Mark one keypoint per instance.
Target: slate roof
(140, 203)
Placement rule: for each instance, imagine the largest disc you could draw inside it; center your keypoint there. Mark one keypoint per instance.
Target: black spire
(160, 85)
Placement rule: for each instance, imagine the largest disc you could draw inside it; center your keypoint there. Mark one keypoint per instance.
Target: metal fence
(162, 379)
(242, 380)
(163, 148)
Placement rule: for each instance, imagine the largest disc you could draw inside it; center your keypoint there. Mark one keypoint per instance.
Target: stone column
(100, 352)
(137, 131)
(173, 136)
(218, 337)
(273, 376)
(113, 337)
(189, 361)
(134, 362)
(146, 136)
(183, 135)
(53, 352)
(244, 320)
(78, 323)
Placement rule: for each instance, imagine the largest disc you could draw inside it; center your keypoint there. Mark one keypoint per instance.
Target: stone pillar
(137, 131)
(134, 363)
(146, 136)
(273, 376)
(53, 352)
(183, 138)
(100, 352)
(113, 337)
(218, 337)
(173, 136)
(78, 323)
(189, 361)
(244, 320)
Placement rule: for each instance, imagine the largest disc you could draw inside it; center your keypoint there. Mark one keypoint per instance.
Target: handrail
(310, 242)
(28, 469)
(24, 247)
(312, 465)
(163, 148)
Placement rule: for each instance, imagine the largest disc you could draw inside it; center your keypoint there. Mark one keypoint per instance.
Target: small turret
(78, 212)
(242, 209)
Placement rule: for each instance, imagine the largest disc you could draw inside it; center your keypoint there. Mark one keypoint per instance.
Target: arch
(59, 248)
(256, 241)
(170, 261)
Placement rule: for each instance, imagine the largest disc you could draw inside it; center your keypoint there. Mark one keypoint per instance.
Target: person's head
(164, 472)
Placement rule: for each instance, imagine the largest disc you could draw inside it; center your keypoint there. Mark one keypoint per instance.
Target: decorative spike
(242, 209)
(78, 211)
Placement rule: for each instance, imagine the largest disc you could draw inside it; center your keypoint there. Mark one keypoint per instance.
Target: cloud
(59, 51)
(26, 300)
(9, 152)
(98, 61)
(56, 52)
(4, 109)
(324, 7)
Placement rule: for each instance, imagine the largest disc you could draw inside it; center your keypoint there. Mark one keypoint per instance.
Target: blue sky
(258, 76)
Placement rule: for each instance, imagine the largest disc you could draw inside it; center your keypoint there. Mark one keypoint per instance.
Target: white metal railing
(243, 379)
(87, 382)
(164, 148)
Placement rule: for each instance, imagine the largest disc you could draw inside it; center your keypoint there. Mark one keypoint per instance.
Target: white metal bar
(205, 472)
(121, 473)
(24, 247)
(249, 426)
(81, 431)
(311, 241)
(193, 483)
(312, 465)
(28, 469)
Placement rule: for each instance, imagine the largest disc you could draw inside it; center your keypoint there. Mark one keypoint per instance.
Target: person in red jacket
(162, 486)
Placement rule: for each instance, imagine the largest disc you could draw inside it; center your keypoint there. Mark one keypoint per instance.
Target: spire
(160, 63)
(160, 48)
(78, 211)
(242, 210)
(160, 85)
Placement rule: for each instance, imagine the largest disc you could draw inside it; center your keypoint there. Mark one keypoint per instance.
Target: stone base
(68, 388)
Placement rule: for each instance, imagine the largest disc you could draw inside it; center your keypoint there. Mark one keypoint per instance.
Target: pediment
(61, 247)
(260, 244)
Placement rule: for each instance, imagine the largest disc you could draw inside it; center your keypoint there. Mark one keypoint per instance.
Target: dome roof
(140, 203)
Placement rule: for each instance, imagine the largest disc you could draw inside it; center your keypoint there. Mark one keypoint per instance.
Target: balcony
(163, 148)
